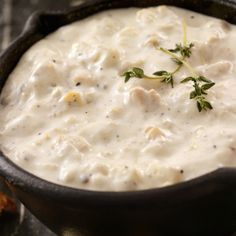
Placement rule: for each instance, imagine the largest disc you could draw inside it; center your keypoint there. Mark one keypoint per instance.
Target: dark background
(13, 15)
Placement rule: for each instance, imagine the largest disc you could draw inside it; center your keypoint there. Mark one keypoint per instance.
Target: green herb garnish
(178, 55)
(185, 51)
(136, 72)
(201, 85)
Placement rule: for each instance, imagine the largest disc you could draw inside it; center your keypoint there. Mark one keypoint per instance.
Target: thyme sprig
(199, 93)
(136, 72)
(162, 75)
(179, 54)
(200, 85)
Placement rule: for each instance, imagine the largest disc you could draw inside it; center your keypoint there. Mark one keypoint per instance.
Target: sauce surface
(67, 116)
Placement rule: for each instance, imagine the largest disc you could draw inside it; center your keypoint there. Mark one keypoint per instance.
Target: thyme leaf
(185, 51)
(167, 77)
(200, 85)
(135, 72)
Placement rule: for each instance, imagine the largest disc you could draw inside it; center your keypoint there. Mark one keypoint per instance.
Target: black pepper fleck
(78, 83)
(181, 171)
(85, 179)
(214, 146)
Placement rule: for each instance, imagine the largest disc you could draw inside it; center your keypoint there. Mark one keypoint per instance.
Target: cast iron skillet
(203, 206)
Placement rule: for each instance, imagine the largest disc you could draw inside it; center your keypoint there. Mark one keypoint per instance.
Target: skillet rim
(39, 25)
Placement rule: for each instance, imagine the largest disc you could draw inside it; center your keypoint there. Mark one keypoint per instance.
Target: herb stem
(153, 78)
(177, 69)
(173, 55)
(184, 25)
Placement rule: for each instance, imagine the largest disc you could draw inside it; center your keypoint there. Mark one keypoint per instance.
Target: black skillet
(202, 206)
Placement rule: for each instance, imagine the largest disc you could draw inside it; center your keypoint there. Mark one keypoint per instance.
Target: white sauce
(104, 134)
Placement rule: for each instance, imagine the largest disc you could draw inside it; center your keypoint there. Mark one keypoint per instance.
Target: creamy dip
(67, 116)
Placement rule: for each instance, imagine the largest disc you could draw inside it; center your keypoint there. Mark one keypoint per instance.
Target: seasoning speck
(85, 179)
